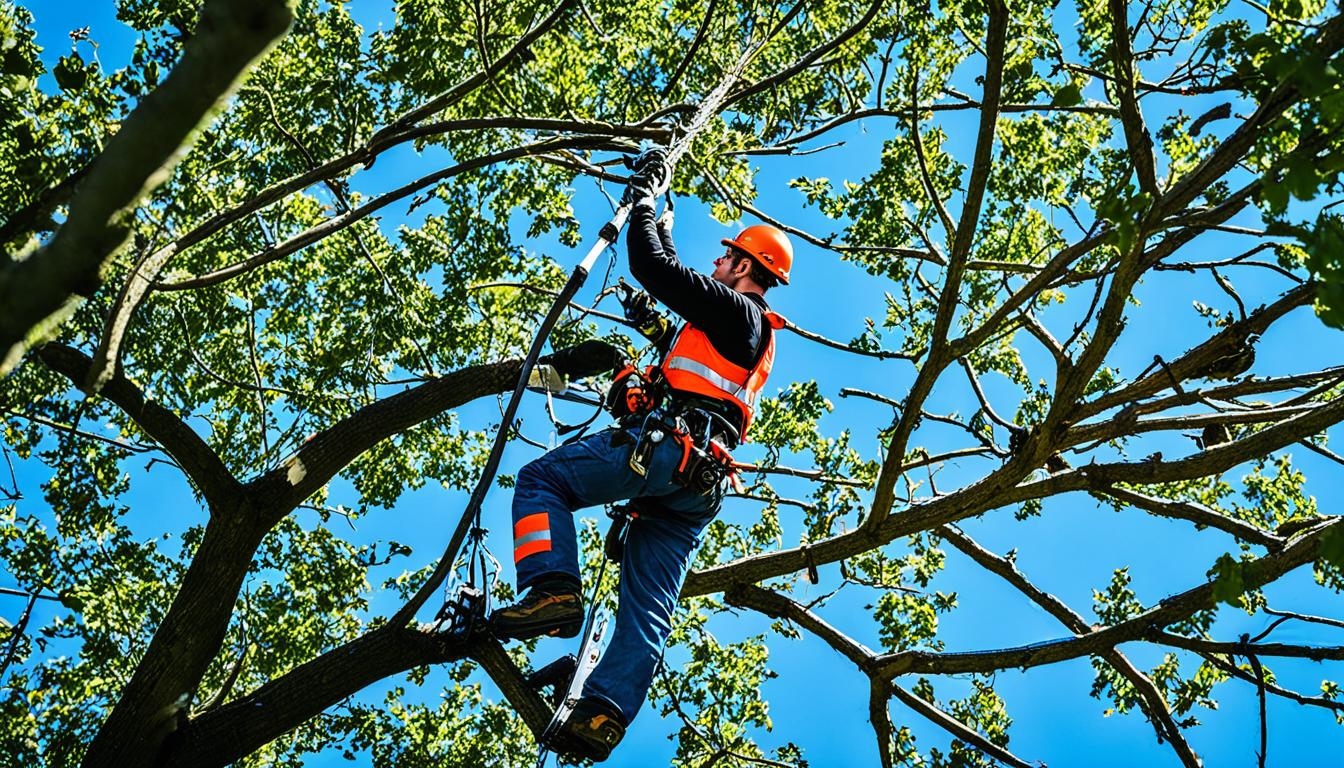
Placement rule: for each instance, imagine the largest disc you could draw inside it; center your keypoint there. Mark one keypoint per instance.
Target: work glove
(586, 359)
(650, 323)
(651, 176)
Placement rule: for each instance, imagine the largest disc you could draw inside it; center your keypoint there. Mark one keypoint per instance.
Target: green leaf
(1228, 580)
(1332, 546)
(71, 75)
(1068, 96)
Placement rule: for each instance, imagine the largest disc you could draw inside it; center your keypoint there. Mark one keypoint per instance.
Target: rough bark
(235, 730)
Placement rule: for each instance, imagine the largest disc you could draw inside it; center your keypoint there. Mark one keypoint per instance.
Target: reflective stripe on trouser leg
(581, 474)
(531, 535)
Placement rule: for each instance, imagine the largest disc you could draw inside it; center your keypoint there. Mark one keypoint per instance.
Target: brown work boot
(593, 729)
(552, 607)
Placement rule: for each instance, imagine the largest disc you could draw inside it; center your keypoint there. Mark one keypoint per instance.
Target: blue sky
(819, 700)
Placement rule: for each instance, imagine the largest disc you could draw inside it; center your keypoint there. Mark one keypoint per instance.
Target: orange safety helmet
(768, 246)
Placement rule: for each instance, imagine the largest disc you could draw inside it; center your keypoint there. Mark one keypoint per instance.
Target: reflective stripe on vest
(737, 391)
(694, 366)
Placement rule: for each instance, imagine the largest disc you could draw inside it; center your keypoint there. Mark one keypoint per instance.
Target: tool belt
(703, 436)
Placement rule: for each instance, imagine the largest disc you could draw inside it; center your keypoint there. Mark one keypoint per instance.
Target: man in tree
(677, 422)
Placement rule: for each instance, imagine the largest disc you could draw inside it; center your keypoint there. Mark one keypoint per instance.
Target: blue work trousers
(658, 547)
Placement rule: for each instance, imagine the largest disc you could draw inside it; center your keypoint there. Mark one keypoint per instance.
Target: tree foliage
(269, 320)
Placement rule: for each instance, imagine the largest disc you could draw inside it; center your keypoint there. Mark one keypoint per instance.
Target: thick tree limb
(185, 642)
(939, 355)
(40, 291)
(879, 691)
(329, 451)
(1202, 646)
(996, 490)
(958, 729)
(525, 701)
(190, 635)
(1199, 357)
(197, 459)
(233, 731)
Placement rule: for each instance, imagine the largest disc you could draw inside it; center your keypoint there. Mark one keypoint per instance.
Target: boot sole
(529, 630)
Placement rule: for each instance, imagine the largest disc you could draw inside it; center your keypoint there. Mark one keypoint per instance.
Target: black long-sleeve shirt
(734, 322)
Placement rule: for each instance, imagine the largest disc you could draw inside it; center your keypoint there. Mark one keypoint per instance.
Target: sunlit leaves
(1118, 603)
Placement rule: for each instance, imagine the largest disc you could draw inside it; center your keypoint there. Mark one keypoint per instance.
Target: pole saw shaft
(610, 232)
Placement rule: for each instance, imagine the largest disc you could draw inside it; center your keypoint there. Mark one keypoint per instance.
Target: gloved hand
(651, 177)
(650, 323)
(587, 359)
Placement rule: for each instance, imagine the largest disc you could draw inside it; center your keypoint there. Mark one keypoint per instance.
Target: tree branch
(778, 606)
(939, 357)
(197, 459)
(1153, 701)
(457, 92)
(1136, 134)
(338, 223)
(958, 729)
(1197, 514)
(40, 291)
(807, 60)
(1300, 550)
(997, 490)
(330, 450)
(224, 735)
(1202, 646)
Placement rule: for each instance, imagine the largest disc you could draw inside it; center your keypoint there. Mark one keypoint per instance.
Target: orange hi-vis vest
(694, 366)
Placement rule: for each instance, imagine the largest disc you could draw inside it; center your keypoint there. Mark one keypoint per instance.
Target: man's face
(729, 268)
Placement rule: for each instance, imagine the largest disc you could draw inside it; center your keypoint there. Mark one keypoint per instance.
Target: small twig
(980, 395)
(810, 474)
(690, 52)
(19, 628)
(1305, 617)
(21, 593)
(1326, 452)
(126, 446)
(881, 354)
(1230, 291)
(13, 495)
